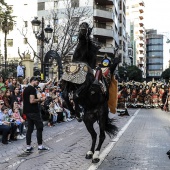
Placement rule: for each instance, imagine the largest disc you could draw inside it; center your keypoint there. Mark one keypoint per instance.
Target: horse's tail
(110, 128)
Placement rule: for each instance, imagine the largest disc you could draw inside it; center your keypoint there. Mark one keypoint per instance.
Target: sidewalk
(68, 144)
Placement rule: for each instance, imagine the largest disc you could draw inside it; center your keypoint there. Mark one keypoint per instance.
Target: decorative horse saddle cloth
(76, 72)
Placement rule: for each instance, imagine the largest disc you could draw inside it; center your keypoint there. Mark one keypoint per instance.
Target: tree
(130, 72)
(166, 75)
(6, 24)
(134, 73)
(65, 33)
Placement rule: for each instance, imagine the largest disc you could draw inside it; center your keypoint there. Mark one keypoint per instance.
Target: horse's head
(84, 29)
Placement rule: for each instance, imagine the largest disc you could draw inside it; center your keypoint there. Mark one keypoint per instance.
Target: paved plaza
(141, 144)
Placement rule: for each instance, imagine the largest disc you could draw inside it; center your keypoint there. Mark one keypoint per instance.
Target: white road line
(16, 163)
(48, 139)
(61, 133)
(71, 133)
(59, 140)
(112, 143)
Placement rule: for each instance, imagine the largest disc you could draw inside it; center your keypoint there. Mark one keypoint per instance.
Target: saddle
(76, 72)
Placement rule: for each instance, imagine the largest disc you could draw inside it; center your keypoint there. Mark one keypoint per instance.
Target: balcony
(105, 2)
(141, 16)
(103, 14)
(141, 29)
(141, 3)
(141, 37)
(140, 49)
(141, 24)
(102, 30)
(141, 63)
(141, 9)
(141, 56)
(107, 48)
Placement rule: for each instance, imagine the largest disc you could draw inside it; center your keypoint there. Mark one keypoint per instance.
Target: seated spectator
(1, 94)
(14, 84)
(52, 115)
(66, 111)
(16, 96)
(7, 119)
(59, 110)
(19, 122)
(2, 84)
(4, 127)
(6, 98)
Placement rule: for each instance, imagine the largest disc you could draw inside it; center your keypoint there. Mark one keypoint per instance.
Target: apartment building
(103, 16)
(154, 54)
(135, 14)
(123, 36)
(24, 11)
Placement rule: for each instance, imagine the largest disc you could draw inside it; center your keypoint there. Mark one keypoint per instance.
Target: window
(9, 42)
(74, 3)
(55, 39)
(55, 4)
(26, 23)
(25, 40)
(41, 6)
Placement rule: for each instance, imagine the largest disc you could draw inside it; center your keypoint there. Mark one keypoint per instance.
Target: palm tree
(6, 24)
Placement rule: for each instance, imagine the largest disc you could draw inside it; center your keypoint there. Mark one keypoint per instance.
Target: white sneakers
(21, 136)
(69, 119)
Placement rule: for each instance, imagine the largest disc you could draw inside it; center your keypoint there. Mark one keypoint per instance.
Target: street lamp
(41, 36)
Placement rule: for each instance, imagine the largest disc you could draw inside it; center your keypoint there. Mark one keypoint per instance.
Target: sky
(157, 15)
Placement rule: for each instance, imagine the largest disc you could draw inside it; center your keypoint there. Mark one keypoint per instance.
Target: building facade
(106, 17)
(154, 54)
(24, 11)
(135, 15)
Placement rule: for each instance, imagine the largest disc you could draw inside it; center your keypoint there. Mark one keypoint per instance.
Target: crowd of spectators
(13, 120)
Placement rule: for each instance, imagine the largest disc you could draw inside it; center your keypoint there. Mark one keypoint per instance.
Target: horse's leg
(102, 136)
(89, 125)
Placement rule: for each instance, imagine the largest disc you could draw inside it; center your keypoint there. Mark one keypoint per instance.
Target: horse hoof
(88, 156)
(96, 160)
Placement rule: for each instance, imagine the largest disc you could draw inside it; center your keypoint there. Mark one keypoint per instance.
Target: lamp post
(41, 36)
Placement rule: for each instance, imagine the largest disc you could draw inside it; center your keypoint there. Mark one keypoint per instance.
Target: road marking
(112, 143)
(61, 133)
(71, 133)
(59, 140)
(48, 139)
(16, 163)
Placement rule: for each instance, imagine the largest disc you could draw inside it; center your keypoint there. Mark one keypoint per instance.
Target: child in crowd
(19, 122)
(59, 110)
(53, 115)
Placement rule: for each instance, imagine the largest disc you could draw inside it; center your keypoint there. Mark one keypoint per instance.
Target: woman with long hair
(7, 98)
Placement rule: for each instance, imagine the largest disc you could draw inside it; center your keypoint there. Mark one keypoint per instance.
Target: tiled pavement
(68, 144)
